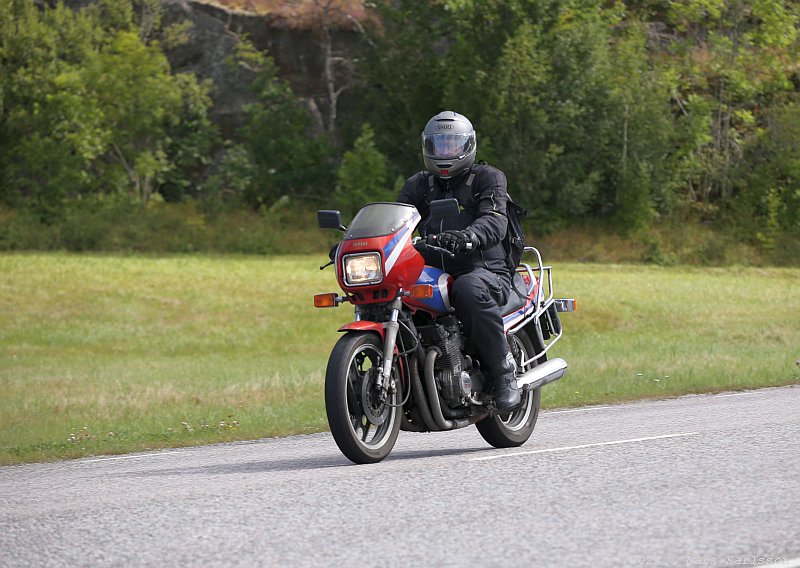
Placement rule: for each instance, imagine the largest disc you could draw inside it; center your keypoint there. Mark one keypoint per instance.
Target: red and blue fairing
(386, 229)
(441, 282)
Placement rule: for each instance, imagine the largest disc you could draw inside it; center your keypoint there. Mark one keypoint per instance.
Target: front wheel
(513, 429)
(364, 427)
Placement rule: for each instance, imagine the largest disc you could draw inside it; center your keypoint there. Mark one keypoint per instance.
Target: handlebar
(421, 246)
(417, 242)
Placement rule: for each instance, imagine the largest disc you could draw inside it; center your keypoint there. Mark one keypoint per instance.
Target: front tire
(513, 429)
(364, 428)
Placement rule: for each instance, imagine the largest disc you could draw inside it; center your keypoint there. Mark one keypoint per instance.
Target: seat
(517, 297)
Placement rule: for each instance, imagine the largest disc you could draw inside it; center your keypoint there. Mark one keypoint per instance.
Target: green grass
(646, 332)
(108, 354)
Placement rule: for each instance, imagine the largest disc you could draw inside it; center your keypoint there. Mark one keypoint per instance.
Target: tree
(363, 175)
(140, 102)
(91, 109)
(643, 132)
(404, 75)
(50, 128)
(338, 69)
(191, 141)
(288, 159)
(767, 192)
(732, 59)
(534, 76)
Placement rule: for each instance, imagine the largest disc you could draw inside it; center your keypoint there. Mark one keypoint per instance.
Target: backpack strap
(472, 202)
(470, 179)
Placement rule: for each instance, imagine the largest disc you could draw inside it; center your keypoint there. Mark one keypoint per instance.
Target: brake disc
(375, 410)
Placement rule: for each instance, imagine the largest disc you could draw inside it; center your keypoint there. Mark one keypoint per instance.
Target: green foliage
(405, 76)
(591, 108)
(630, 113)
(116, 224)
(634, 207)
(140, 101)
(289, 158)
(641, 134)
(233, 178)
(49, 133)
(88, 108)
(363, 175)
(766, 205)
(730, 59)
(191, 142)
(560, 104)
(519, 119)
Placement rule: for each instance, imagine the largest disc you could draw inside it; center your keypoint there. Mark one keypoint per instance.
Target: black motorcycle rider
(480, 268)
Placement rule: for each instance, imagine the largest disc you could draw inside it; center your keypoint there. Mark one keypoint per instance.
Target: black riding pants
(477, 297)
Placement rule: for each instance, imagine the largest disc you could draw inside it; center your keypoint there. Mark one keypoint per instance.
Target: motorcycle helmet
(448, 144)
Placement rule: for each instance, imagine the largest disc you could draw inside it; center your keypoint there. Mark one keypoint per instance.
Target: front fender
(365, 326)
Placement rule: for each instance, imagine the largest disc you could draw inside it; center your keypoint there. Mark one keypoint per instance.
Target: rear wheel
(364, 427)
(513, 429)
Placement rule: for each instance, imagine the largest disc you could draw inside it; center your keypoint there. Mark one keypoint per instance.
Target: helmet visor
(448, 146)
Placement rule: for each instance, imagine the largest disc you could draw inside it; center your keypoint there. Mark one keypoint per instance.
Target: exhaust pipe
(433, 395)
(547, 372)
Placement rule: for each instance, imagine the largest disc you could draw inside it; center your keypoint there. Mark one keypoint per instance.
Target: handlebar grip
(422, 246)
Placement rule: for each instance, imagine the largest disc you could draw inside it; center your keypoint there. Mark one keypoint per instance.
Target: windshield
(380, 219)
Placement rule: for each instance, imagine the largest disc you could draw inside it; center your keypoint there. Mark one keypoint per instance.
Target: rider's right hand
(454, 241)
(432, 240)
(431, 243)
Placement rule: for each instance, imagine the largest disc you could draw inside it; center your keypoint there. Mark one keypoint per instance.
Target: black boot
(506, 392)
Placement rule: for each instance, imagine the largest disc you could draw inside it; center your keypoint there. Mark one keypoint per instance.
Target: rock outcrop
(212, 38)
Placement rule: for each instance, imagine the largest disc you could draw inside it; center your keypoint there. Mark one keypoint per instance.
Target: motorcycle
(403, 363)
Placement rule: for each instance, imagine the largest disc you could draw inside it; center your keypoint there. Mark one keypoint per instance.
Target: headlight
(361, 269)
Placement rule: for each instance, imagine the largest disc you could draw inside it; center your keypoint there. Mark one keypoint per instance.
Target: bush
(117, 225)
(363, 175)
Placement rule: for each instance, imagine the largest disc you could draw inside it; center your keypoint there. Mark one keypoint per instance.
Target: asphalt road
(695, 481)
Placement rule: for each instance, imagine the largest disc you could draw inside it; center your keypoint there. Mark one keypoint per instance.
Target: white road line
(788, 563)
(137, 456)
(743, 393)
(565, 448)
(571, 410)
(628, 403)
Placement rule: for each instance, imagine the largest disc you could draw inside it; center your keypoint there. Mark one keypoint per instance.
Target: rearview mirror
(329, 219)
(442, 208)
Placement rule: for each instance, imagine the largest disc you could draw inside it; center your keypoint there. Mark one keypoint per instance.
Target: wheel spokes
(352, 398)
(363, 366)
(365, 428)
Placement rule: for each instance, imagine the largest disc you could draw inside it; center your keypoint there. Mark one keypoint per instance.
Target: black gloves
(454, 241)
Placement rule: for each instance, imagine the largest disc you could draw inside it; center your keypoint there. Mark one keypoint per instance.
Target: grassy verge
(115, 226)
(645, 332)
(116, 354)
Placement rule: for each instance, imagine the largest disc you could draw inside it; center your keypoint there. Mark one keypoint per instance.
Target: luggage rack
(546, 306)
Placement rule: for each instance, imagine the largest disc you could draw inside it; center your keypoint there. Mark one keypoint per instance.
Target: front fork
(389, 339)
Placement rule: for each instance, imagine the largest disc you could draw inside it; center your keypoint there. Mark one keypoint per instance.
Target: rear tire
(364, 428)
(513, 429)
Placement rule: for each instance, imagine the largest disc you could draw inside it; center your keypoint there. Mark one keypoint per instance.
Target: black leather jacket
(483, 211)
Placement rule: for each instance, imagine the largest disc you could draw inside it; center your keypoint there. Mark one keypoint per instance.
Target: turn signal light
(325, 300)
(566, 305)
(421, 291)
